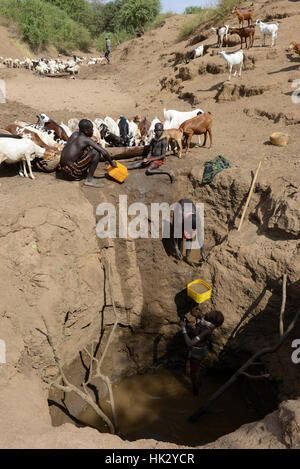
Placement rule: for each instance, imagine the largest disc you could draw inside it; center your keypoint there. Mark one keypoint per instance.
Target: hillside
(48, 230)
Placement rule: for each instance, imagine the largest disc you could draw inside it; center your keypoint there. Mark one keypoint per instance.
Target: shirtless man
(156, 156)
(186, 221)
(81, 155)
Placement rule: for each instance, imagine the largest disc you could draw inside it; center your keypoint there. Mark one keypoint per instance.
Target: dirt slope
(58, 218)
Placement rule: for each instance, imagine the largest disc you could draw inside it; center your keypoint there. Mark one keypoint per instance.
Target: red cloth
(157, 163)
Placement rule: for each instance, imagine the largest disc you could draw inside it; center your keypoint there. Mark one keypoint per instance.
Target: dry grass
(213, 15)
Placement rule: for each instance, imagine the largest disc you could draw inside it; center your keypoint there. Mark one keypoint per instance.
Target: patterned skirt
(79, 169)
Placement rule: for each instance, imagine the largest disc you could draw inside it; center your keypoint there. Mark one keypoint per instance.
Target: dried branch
(254, 376)
(98, 373)
(69, 387)
(281, 327)
(243, 368)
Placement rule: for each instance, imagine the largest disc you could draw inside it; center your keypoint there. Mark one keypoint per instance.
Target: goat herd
(246, 34)
(43, 141)
(51, 67)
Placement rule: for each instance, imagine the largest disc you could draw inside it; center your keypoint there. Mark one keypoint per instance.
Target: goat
(13, 150)
(123, 125)
(73, 124)
(134, 133)
(66, 129)
(144, 127)
(221, 32)
(151, 128)
(109, 137)
(112, 126)
(198, 52)
(24, 132)
(294, 47)
(198, 125)
(45, 122)
(267, 29)
(236, 58)
(173, 119)
(244, 14)
(175, 135)
(244, 33)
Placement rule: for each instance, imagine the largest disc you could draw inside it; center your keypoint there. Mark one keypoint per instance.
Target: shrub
(207, 14)
(43, 24)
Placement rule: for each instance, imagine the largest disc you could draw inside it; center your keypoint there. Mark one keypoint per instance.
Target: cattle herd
(58, 66)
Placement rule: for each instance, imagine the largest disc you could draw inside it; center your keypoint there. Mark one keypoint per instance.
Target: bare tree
(94, 369)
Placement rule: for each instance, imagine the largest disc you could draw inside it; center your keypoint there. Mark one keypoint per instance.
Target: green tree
(78, 10)
(191, 10)
(134, 14)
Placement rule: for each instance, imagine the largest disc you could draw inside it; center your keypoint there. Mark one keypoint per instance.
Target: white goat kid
(235, 58)
(14, 150)
(267, 30)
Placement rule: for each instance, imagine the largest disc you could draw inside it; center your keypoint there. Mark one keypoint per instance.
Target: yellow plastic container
(119, 174)
(199, 297)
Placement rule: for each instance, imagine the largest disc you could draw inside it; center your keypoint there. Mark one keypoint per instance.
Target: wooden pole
(249, 196)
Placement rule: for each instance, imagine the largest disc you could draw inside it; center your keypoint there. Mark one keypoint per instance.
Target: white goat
(66, 129)
(73, 124)
(151, 128)
(221, 32)
(236, 58)
(112, 126)
(173, 119)
(267, 30)
(13, 150)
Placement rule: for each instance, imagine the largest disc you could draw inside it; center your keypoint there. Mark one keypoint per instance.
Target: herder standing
(107, 52)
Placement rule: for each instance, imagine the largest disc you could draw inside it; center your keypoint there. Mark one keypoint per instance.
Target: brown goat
(244, 14)
(244, 33)
(144, 127)
(175, 135)
(294, 47)
(199, 125)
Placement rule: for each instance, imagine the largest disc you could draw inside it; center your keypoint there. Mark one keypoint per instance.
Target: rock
(279, 139)
(289, 414)
(229, 91)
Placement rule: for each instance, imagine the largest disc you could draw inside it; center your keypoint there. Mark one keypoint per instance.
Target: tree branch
(242, 369)
(281, 327)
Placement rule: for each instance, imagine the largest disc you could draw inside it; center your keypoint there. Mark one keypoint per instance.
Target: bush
(207, 14)
(159, 20)
(134, 14)
(192, 10)
(43, 24)
(116, 38)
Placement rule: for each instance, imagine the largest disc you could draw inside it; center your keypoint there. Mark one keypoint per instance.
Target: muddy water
(158, 405)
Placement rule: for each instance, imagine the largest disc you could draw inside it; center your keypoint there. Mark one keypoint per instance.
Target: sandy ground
(131, 85)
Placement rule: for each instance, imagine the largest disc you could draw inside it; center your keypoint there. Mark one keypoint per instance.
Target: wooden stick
(281, 328)
(249, 196)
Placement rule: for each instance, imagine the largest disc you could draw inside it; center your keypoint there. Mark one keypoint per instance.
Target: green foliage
(192, 10)
(79, 10)
(134, 14)
(116, 38)
(71, 24)
(42, 24)
(213, 15)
